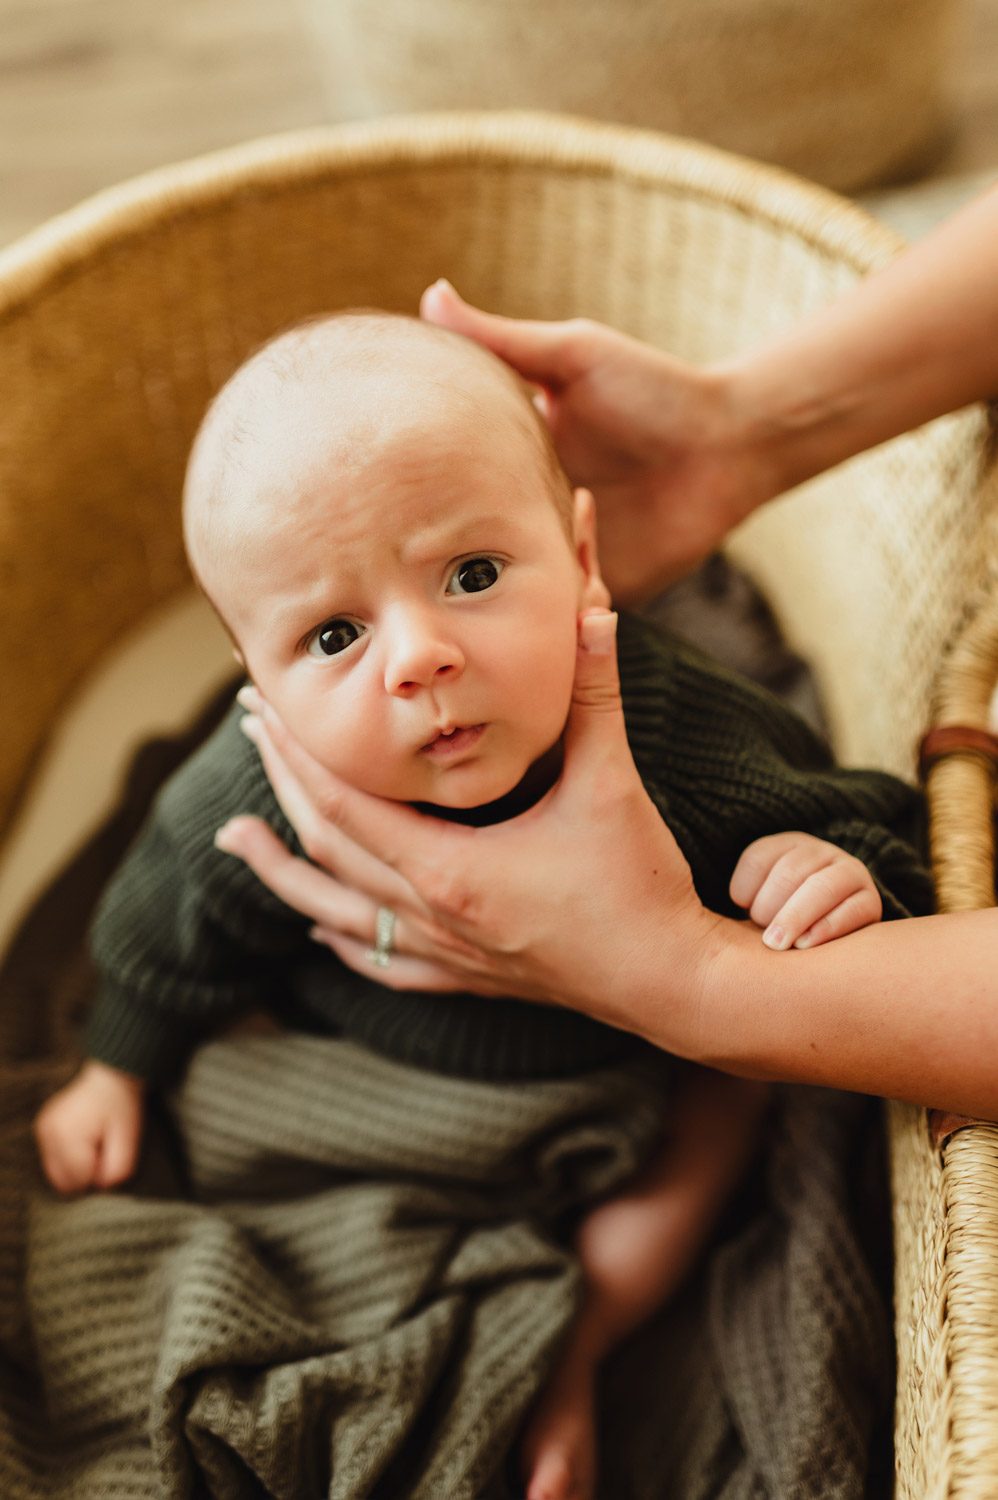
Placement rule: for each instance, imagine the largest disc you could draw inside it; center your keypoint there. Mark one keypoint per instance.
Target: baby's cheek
(356, 757)
(331, 737)
(546, 702)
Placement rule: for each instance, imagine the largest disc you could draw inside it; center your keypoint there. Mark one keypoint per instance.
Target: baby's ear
(594, 593)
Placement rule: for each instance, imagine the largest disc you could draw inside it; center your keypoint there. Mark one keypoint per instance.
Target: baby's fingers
(755, 869)
(68, 1161)
(818, 896)
(119, 1151)
(858, 910)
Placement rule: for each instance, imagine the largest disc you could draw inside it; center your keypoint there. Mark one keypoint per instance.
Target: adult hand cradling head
(463, 922)
(584, 900)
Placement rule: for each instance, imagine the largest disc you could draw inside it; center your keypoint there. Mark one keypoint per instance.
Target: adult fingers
(335, 909)
(324, 843)
(413, 936)
(814, 898)
(426, 852)
(314, 892)
(403, 972)
(856, 911)
(596, 730)
(548, 353)
(290, 783)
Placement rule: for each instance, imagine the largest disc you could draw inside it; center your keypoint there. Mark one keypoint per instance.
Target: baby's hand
(88, 1133)
(803, 891)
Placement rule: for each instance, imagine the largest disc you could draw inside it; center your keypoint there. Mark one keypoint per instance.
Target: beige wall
(94, 91)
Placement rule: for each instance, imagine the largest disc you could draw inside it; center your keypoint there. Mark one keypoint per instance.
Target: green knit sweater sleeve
(185, 936)
(727, 763)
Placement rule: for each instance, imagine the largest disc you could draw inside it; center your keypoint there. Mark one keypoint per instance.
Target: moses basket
(122, 318)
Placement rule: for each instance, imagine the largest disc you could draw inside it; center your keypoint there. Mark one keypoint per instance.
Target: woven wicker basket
(120, 319)
(946, 1201)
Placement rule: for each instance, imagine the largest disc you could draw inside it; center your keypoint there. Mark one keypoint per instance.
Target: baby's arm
(88, 1133)
(181, 943)
(804, 890)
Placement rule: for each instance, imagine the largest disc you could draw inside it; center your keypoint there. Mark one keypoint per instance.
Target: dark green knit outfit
(187, 938)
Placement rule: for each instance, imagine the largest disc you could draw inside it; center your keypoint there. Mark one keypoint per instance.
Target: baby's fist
(804, 891)
(88, 1133)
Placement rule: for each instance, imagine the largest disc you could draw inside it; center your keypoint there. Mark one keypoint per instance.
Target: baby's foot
(559, 1446)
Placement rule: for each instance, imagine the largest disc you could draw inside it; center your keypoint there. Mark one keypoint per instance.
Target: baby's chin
(469, 797)
(463, 786)
(504, 790)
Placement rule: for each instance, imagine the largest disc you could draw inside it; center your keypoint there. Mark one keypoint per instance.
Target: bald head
(331, 395)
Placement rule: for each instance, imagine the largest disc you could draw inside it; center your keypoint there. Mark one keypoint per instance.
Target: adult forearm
(910, 343)
(908, 1010)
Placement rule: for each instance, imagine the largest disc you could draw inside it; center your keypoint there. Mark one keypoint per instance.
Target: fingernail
(443, 285)
(805, 941)
(597, 633)
(250, 727)
(774, 937)
(248, 697)
(222, 839)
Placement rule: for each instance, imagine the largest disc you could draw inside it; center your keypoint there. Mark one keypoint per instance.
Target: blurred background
(894, 101)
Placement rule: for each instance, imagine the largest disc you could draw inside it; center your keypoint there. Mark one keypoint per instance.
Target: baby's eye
(332, 637)
(473, 576)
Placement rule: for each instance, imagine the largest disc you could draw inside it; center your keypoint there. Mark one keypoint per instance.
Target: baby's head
(374, 508)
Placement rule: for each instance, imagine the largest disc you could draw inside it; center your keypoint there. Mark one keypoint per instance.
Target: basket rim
(830, 224)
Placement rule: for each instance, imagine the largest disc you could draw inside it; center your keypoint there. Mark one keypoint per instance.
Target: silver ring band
(384, 935)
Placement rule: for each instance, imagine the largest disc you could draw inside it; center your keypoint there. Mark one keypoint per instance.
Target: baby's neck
(540, 778)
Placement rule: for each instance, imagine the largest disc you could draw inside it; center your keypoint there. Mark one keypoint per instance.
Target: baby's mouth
(456, 740)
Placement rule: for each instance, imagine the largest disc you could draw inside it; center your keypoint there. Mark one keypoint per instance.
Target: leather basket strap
(956, 739)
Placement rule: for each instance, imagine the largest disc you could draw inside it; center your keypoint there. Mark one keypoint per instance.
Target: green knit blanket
(351, 1279)
(337, 1275)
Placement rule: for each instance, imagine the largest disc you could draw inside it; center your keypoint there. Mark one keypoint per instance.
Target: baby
(375, 510)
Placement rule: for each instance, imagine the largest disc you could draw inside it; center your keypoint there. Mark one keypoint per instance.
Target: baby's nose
(419, 657)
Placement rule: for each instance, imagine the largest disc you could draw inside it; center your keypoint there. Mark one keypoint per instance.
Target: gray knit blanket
(336, 1275)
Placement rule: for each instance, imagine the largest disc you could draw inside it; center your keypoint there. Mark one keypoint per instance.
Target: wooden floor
(94, 91)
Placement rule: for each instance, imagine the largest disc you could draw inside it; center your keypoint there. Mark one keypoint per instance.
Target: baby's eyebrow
(299, 618)
(467, 534)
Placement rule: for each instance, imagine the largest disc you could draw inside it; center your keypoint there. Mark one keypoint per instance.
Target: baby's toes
(556, 1476)
(559, 1447)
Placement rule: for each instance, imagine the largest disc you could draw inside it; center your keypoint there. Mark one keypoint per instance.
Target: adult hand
(660, 443)
(584, 900)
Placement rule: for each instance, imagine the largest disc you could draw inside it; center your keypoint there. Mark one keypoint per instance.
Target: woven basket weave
(947, 1294)
(120, 319)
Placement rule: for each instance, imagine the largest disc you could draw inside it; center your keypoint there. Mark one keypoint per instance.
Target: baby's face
(408, 603)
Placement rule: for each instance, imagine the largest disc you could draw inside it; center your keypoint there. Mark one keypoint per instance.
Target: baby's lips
(445, 731)
(455, 736)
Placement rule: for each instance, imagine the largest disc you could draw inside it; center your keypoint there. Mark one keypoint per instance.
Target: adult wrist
(753, 432)
(678, 997)
(725, 1025)
(770, 422)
